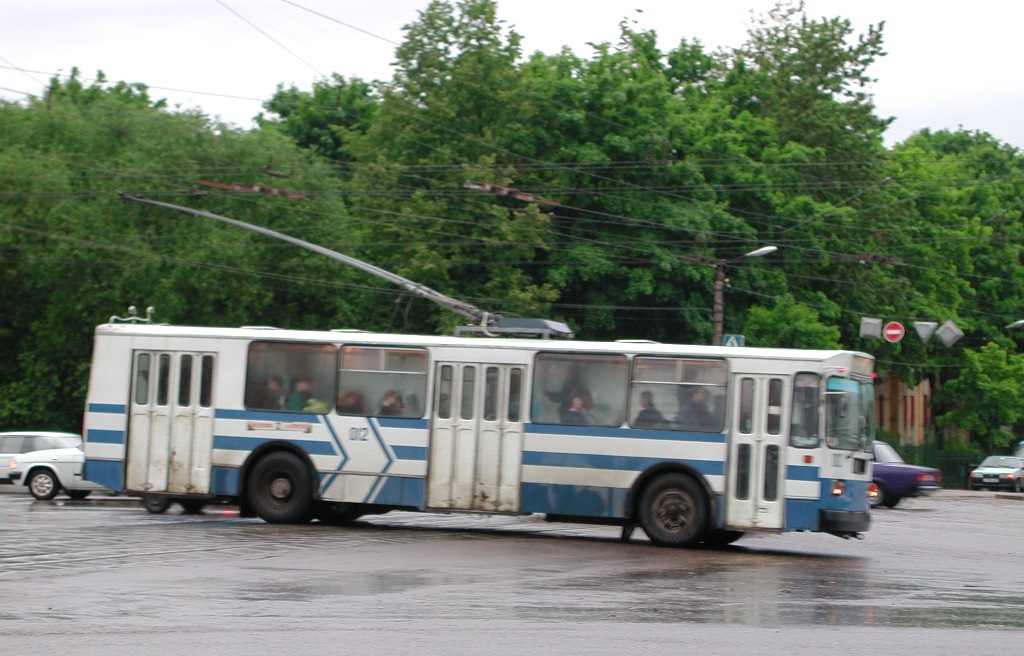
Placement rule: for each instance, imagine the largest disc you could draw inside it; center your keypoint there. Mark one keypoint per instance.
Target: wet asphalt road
(942, 575)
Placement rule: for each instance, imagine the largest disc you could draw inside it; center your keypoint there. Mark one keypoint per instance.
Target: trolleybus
(693, 444)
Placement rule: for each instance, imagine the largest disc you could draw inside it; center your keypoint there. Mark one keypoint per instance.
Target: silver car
(998, 473)
(45, 462)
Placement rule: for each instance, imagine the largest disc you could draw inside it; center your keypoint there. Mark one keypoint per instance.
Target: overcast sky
(949, 65)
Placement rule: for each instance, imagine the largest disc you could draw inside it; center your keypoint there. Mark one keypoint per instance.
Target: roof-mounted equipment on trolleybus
(481, 322)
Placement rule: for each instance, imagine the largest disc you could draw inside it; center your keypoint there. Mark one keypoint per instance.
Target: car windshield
(1001, 461)
(885, 453)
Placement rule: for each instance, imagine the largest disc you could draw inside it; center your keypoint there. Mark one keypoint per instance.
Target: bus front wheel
(280, 489)
(674, 511)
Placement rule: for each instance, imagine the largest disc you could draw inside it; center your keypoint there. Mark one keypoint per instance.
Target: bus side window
(444, 393)
(746, 409)
(382, 381)
(491, 394)
(515, 394)
(206, 382)
(804, 431)
(773, 422)
(303, 376)
(579, 389)
(163, 378)
(185, 381)
(142, 379)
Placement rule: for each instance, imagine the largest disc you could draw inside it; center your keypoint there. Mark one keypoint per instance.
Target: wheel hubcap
(42, 485)
(281, 489)
(673, 511)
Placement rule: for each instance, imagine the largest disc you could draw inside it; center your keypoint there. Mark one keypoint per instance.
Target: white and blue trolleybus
(693, 444)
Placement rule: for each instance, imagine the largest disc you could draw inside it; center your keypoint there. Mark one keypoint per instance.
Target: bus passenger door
(476, 440)
(755, 497)
(170, 431)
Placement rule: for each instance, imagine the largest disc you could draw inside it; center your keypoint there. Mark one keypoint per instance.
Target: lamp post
(1016, 324)
(718, 309)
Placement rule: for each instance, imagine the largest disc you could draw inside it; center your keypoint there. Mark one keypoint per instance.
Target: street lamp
(718, 310)
(1016, 324)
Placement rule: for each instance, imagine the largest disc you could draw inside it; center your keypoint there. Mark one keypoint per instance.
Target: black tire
(78, 495)
(885, 497)
(674, 511)
(718, 538)
(280, 489)
(889, 500)
(338, 514)
(154, 504)
(43, 485)
(192, 506)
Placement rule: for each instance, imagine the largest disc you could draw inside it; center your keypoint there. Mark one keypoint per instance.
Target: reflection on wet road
(926, 566)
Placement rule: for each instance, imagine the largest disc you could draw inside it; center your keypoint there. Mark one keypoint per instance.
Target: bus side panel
(366, 460)
(588, 471)
(106, 413)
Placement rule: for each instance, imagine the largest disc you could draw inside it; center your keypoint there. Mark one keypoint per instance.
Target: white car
(46, 463)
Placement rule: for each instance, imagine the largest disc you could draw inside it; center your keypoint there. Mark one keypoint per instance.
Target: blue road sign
(733, 340)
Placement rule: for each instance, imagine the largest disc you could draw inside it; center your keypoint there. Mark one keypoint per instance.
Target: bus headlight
(873, 491)
(838, 487)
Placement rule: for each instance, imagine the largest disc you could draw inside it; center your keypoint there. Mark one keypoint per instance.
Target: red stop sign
(893, 331)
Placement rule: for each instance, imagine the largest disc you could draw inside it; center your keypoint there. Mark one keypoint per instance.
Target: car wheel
(673, 511)
(43, 485)
(78, 495)
(155, 504)
(885, 497)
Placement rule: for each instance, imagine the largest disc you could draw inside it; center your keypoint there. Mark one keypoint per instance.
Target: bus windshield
(850, 414)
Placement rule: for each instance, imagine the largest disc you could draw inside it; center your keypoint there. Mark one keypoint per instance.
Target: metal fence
(955, 467)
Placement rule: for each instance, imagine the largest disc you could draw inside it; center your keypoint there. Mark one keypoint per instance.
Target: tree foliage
(601, 188)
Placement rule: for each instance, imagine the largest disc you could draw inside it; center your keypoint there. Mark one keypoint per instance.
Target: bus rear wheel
(280, 489)
(155, 504)
(674, 511)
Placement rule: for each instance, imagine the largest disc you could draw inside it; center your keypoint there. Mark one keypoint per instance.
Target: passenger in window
(271, 396)
(649, 416)
(576, 413)
(351, 402)
(693, 411)
(391, 405)
(571, 388)
(302, 392)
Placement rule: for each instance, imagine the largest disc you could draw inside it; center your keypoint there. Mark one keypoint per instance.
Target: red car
(896, 479)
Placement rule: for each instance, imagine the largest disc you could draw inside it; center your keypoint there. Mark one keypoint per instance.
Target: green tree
(789, 325)
(74, 253)
(987, 398)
